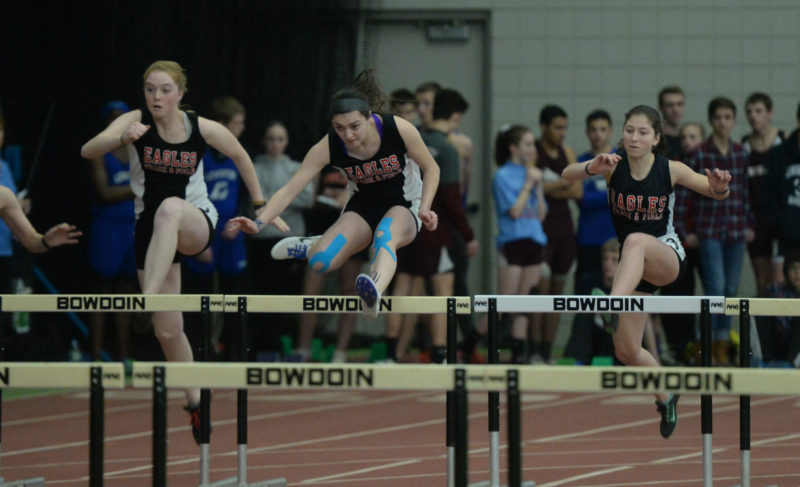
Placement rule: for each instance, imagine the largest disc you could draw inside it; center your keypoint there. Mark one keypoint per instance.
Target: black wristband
(44, 243)
(586, 168)
(727, 188)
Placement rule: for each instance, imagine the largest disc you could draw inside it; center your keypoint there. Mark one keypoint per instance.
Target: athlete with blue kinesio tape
(391, 201)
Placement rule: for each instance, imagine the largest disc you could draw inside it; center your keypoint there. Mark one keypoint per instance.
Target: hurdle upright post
(205, 395)
(2, 357)
(744, 400)
(96, 427)
(159, 428)
(241, 396)
(450, 416)
(462, 435)
(494, 398)
(514, 429)
(706, 420)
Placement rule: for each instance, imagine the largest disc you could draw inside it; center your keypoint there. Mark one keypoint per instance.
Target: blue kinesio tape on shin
(327, 255)
(383, 239)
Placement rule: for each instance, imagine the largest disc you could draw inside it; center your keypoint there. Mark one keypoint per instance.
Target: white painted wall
(614, 54)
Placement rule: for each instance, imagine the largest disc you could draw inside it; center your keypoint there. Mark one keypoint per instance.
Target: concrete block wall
(614, 54)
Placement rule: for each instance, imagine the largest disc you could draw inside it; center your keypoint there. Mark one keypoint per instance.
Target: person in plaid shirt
(721, 227)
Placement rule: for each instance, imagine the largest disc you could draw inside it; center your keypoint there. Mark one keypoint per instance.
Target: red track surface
(393, 439)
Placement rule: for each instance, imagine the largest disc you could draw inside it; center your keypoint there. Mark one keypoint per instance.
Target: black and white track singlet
(387, 178)
(160, 169)
(644, 206)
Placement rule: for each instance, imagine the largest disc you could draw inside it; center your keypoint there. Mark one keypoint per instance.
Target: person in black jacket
(781, 192)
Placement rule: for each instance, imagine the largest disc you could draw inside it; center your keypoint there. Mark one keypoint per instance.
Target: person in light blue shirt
(521, 208)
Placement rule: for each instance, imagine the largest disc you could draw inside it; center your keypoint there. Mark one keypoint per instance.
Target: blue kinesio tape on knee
(383, 239)
(328, 254)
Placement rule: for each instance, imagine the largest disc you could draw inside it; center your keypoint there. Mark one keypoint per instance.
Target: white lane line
(596, 473)
(642, 422)
(360, 471)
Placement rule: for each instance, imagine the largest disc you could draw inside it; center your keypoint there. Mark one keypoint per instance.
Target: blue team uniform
(7, 180)
(111, 251)
(223, 183)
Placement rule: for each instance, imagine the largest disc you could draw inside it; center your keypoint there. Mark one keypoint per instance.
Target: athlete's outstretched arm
(220, 138)
(316, 158)
(600, 164)
(125, 129)
(713, 185)
(11, 213)
(418, 151)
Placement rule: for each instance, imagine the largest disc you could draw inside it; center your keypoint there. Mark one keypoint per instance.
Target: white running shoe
(369, 294)
(293, 247)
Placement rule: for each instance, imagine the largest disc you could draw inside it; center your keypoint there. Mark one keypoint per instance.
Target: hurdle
(285, 376)
(162, 376)
(128, 303)
(243, 304)
(746, 308)
(590, 304)
(93, 376)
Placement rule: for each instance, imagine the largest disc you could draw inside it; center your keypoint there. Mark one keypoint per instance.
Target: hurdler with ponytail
(640, 191)
(392, 201)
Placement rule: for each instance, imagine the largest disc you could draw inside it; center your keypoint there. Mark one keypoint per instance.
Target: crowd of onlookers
(530, 198)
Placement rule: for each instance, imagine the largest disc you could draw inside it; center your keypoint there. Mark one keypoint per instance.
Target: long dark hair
(505, 137)
(655, 121)
(366, 88)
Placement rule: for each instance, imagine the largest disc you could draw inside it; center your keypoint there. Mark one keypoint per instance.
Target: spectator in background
(425, 94)
(781, 192)
(13, 270)
(553, 157)
(428, 255)
(404, 105)
(722, 226)
(458, 247)
(588, 339)
(274, 169)
(521, 207)
(671, 105)
(111, 253)
(780, 335)
(680, 329)
(758, 144)
(219, 269)
(594, 223)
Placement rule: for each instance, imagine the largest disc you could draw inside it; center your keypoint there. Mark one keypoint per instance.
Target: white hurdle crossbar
(346, 304)
(228, 303)
(271, 376)
(109, 302)
(599, 304)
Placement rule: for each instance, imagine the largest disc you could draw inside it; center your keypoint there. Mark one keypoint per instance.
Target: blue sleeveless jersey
(111, 235)
(223, 184)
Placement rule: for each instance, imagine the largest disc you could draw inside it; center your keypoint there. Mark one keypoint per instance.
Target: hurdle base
(486, 483)
(35, 482)
(234, 482)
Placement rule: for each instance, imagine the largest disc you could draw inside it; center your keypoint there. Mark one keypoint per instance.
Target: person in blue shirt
(521, 208)
(226, 256)
(594, 223)
(111, 253)
(13, 216)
